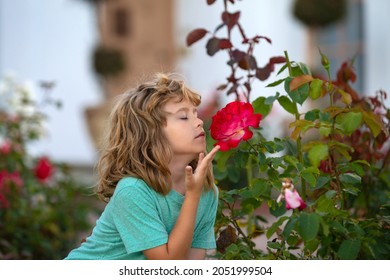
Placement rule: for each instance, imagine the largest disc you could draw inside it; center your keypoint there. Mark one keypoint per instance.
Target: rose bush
(43, 210)
(321, 192)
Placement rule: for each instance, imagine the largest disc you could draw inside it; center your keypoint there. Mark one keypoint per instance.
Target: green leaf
(222, 159)
(271, 99)
(309, 224)
(315, 88)
(341, 148)
(309, 177)
(373, 122)
(312, 245)
(350, 121)
(261, 188)
(312, 115)
(292, 240)
(301, 69)
(298, 81)
(245, 193)
(350, 178)
(325, 227)
(262, 158)
(338, 227)
(325, 131)
(288, 105)
(273, 245)
(248, 205)
(277, 209)
(322, 181)
(233, 173)
(289, 227)
(275, 226)
(357, 166)
(349, 249)
(351, 189)
(260, 106)
(317, 153)
(284, 67)
(291, 160)
(301, 126)
(276, 83)
(325, 205)
(299, 95)
(346, 98)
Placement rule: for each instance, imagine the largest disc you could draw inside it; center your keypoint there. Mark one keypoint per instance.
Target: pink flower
(231, 124)
(291, 196)
(6, 147)
(43, 170)
(9, 181)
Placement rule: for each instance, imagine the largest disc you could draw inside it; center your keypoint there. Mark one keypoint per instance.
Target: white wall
(50, 40)
(376, 32)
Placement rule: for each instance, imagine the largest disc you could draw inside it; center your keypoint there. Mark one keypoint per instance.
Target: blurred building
(135, 40)
(141, 34)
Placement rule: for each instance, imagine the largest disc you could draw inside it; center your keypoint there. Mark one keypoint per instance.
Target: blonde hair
(135, 144)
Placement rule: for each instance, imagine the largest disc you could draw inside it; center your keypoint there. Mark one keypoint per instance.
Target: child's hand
(195, 181)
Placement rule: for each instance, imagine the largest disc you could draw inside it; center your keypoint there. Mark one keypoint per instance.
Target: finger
(188, 172)
(210, 156)
(200, 159)
(215, 150)
(205, 161)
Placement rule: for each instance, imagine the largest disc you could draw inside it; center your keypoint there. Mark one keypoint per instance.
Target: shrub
(327, 183)
(42, 208)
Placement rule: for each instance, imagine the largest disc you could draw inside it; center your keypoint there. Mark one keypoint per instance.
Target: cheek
(170, 134)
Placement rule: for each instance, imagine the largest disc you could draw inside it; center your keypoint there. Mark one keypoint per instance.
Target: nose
(199, 122)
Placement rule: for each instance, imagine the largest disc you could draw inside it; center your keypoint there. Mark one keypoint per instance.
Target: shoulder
(212, 193)
(210, 196)
(134, 187)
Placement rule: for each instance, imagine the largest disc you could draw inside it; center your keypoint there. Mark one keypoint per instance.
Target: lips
(202, 134)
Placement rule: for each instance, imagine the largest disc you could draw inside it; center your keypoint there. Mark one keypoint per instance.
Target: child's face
(184, 130)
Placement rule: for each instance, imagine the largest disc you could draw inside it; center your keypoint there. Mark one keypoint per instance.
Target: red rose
(231, 124)
(43, 169)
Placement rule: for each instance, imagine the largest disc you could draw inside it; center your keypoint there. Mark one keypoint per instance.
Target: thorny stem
(331, 91)
(232, 68)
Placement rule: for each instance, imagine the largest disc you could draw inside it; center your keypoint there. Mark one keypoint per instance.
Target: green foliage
(44, 212)
(336, 156)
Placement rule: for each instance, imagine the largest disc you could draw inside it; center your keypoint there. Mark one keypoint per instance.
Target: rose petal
(293, 200)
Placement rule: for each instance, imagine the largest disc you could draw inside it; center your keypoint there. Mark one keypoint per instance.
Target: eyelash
(184, 118)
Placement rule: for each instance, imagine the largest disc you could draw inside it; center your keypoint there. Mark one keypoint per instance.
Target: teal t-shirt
(138, 218)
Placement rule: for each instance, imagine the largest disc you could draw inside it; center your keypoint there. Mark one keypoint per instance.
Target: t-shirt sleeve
(137, 219)
(204, 237)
